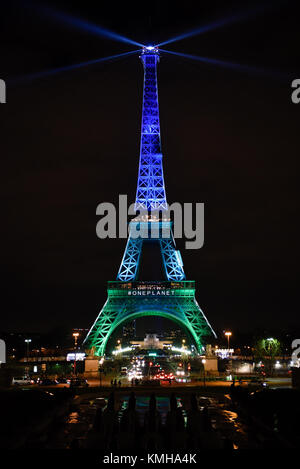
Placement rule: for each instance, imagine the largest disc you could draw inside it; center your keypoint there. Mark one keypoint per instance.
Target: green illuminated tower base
(129, 300)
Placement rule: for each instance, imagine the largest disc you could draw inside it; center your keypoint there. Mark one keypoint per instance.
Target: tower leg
(130, 262)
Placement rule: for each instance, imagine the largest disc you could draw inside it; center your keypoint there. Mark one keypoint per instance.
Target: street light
(228, 334)
(27, 341)
(101, 361)
(203, 362)
(75, 335)
(27, 348)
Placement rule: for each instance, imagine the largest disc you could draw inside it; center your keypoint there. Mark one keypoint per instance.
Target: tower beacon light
(150, 49)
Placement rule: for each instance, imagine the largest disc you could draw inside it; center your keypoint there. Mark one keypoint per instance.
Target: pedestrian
(112, 382)
(119, 383)
(115, 382)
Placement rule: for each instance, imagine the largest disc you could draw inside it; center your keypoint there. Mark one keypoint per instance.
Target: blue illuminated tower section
(151, 201)
(151, 193)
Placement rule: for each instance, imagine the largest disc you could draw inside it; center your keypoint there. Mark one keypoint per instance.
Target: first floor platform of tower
(129, 300)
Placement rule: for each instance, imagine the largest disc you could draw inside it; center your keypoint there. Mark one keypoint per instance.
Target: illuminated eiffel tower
(129, 298)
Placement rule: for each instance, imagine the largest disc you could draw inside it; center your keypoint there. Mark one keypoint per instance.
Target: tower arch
(158, 313)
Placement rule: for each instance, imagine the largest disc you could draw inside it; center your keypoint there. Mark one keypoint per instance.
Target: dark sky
(70, 141)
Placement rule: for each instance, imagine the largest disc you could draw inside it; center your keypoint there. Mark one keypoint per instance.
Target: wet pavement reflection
(76, 426)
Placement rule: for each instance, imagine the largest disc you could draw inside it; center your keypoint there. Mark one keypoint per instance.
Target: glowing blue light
(54, 71)
(216, 24)
(231, 65)
(150, 194)
(150, 50)
(86, 26)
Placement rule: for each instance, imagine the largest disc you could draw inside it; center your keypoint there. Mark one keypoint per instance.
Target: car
(101, 401)
(35, 380)
(63, 380)
(22, 381)
(47, 382)
(78, 383)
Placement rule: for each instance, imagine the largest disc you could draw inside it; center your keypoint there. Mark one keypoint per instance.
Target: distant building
(151, 341)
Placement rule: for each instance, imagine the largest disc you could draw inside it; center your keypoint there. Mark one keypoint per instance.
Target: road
(106, 383)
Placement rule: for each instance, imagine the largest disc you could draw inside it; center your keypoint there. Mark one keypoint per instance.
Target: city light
(27, 341)
(224, 352)
(78, 356)
(228, 335)
(75, 335)
(181, 350)
(121, 350)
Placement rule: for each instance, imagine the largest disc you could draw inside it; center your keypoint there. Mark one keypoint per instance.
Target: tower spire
(151, 193)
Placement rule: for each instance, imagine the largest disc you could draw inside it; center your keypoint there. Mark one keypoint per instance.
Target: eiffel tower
(129, 298)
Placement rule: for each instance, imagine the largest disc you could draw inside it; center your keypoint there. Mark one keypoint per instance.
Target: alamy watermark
(296, 351)
(295, 96)
(2, 92)
(185, 220)
(2, 351)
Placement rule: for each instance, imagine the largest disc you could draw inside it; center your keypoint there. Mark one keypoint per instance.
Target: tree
(266, 350)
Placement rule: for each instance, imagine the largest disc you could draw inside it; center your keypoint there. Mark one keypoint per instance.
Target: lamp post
(75, 335)
(27, 341)
(101, 361)
(183, 354)
(203, 362)
(228, 334)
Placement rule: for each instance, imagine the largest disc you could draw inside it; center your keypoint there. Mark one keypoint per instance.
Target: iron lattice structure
(151, 193)
(160, 231)
(127, 297)
(172, 300)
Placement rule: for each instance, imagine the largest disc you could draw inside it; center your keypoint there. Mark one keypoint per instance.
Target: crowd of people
(115, 383)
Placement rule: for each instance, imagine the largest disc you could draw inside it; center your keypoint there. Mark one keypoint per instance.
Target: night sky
(70, 141)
